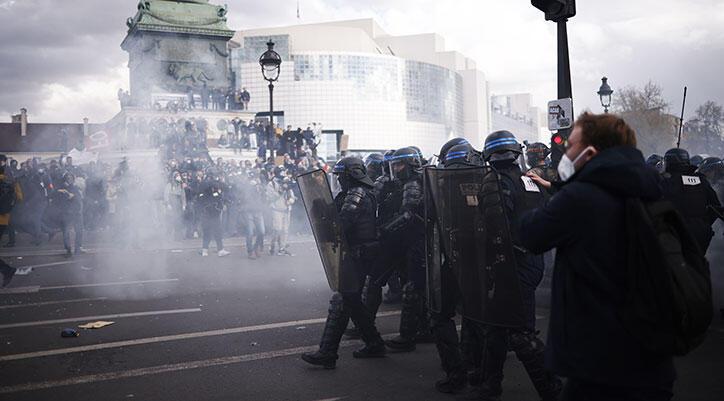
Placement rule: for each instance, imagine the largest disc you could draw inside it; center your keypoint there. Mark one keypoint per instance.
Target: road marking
(61, 287)
(175, 337)
(20, 290)
(65, 262)
(101, 317)
(175, 367)
(68, 301)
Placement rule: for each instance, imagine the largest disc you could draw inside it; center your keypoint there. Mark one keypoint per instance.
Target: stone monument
(175, 47)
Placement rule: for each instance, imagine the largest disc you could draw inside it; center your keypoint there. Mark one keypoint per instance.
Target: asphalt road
(193, 328)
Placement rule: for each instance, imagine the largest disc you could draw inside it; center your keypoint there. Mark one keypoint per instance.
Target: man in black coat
(585, 222)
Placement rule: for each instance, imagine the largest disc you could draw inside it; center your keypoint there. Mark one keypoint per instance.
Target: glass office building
(346, 82)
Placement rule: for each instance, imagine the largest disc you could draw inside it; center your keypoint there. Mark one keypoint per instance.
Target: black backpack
(668, 307)
(7, 197)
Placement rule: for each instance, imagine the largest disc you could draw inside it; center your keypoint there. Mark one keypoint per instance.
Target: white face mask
(566, 167)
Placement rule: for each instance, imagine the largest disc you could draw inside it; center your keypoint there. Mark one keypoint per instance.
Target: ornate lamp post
(605, 92)
(270, 62)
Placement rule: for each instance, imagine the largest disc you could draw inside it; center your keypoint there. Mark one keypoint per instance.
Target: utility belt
(366, 251)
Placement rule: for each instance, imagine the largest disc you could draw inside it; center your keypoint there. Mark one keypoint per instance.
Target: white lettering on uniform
(690, 180)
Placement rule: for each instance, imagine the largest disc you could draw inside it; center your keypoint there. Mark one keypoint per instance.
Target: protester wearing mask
(585, 222)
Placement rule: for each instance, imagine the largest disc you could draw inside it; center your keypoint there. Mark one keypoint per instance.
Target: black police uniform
(692, 195)
(456, 361)
(408, 226)
(357, 209)
(520, 194)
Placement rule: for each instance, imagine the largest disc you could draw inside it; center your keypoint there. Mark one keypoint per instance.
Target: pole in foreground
(681, 120)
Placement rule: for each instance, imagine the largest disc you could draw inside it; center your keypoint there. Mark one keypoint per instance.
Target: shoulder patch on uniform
(529, 184)
(690, 180)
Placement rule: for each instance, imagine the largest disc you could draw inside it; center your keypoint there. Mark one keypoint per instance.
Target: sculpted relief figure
(188, 75)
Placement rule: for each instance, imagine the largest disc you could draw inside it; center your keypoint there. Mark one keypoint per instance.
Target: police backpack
(668, 307)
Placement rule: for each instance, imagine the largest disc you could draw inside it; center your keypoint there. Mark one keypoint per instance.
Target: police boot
(424, 331)
(495, 350)
(471, 351)
(372, 298)
(7, 272)
(529, 350)
(374, 345)
(409, 320)
(453, 383)
(448, 348)
(337, 320)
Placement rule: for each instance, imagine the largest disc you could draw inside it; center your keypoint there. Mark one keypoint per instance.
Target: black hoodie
(585, 222)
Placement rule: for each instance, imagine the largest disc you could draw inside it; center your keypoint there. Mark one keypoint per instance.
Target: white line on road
(20, 290)
(60, 287)
(176, 367)
(65, 262)
(67, 301)
(101, 317)
(176, 337)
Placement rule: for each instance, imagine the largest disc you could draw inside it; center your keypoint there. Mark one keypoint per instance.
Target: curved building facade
(382, 91)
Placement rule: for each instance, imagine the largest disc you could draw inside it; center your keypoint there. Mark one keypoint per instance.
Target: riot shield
(476, 242)
(328, 231)
(433, 252)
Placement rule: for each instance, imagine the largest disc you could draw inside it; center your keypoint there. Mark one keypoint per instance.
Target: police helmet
(403, 162)
(449, 144)
(676, 157)
(501, 142)
(536, 152)
(712, 167)
(696, 160)
(374, 164)
(352, 167)
(458, 155)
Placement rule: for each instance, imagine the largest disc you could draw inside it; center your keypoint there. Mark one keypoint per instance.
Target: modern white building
(515, 113)
(381, 91)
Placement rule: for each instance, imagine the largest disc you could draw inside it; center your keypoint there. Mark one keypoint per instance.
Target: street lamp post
(270, 62)
(605, 92)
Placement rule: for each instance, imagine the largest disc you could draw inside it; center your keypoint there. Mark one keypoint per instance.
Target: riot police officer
(520, 194)
(456, 153)
(537, 157)
(407, 227)
(374, 163)
(691, 194)
(388, 195)
(356, 206)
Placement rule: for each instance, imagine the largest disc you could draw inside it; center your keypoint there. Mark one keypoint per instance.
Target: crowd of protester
(181, 194)
(237, 135)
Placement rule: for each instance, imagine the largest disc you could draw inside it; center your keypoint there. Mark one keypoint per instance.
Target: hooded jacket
(585, 222)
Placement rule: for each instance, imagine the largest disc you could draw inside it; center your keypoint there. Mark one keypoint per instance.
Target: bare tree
(703, 133)
(645, 109)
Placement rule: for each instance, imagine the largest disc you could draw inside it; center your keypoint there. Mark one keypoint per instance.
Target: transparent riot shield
(328, 231)
(476, 242)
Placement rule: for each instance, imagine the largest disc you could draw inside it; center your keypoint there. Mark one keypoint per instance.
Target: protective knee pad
(526, 344)
(336, 304)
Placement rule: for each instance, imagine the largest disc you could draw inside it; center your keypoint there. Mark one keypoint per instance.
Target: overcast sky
(62, 59)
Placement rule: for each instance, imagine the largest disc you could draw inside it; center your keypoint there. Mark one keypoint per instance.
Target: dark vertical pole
(564, 84)
(272, 133)
(681, 120)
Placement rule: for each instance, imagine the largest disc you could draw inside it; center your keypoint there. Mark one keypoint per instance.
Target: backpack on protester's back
(668, 307)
